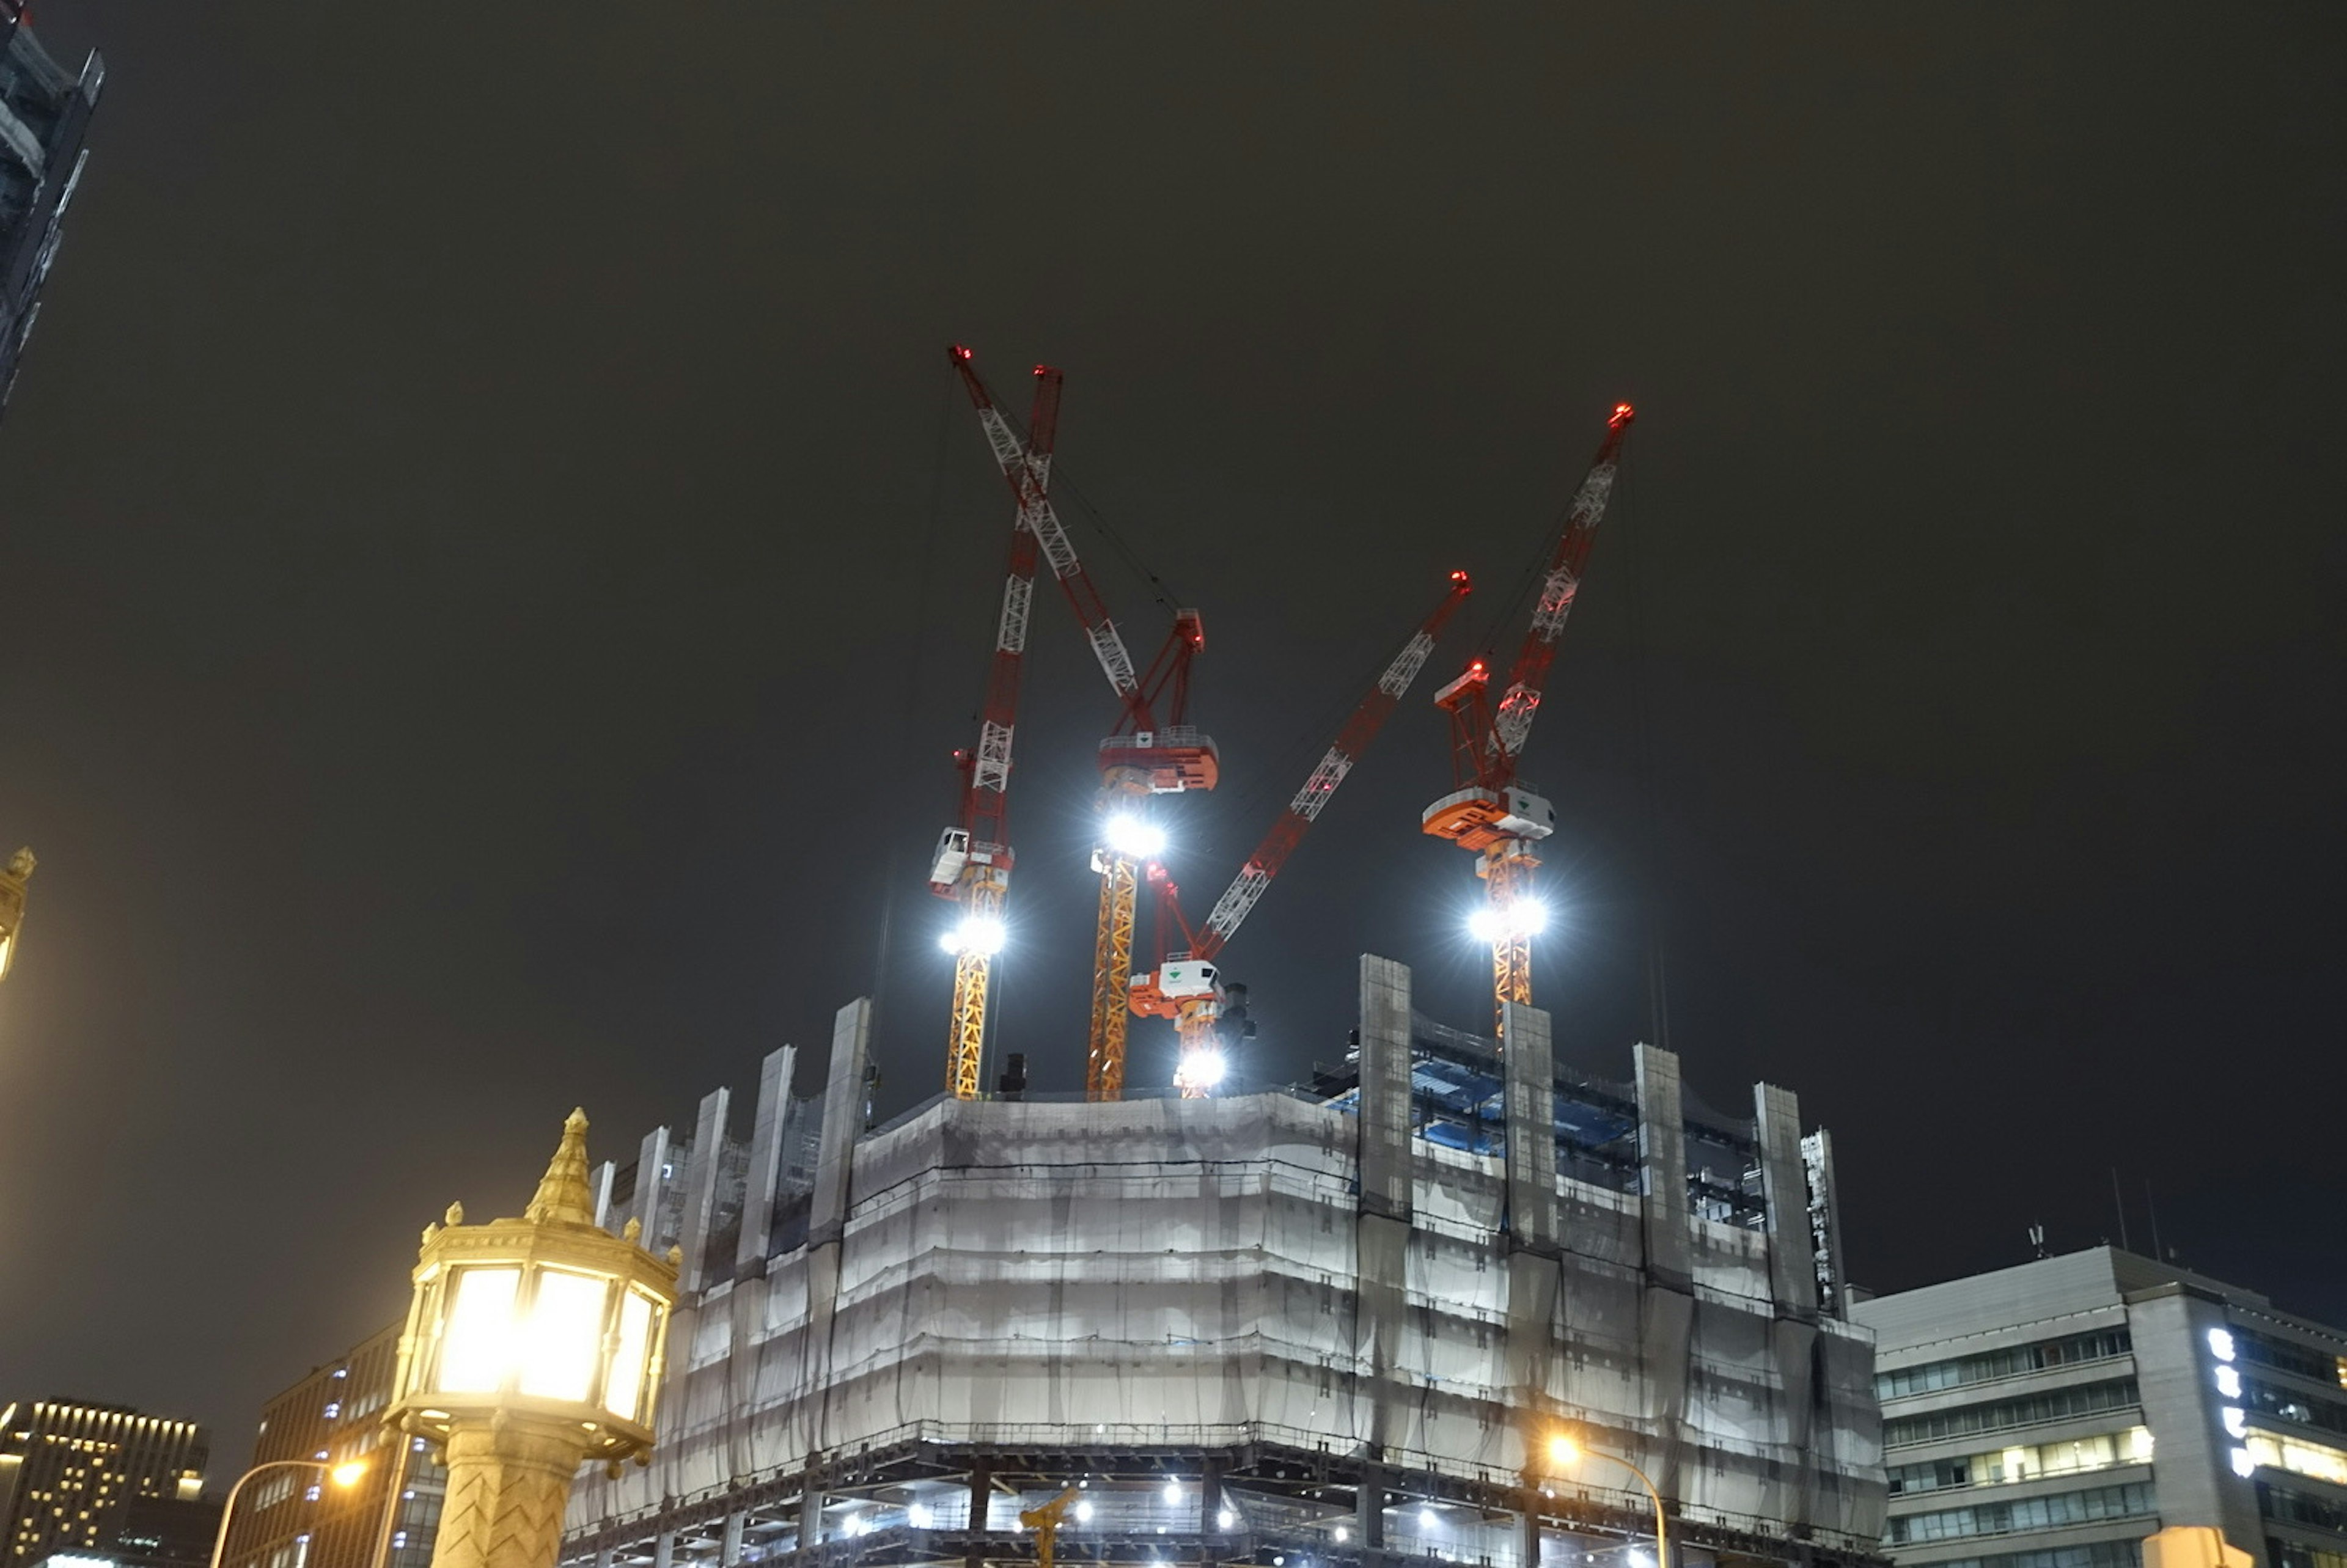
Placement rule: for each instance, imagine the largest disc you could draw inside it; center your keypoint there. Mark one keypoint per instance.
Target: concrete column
(651, 1159)
(774, 1076)
(1369, 1506)
(1381, 1227)
(599, 1181)
(701, 1188)
(1209, 1506)
(842, 1124)
(1825, 1222)
(811, 1496)
(1531, 1101)
(982, 1490)
(729, 1550)
(1386, 1159)
(842, 1121)
(1666, 1330)
(1662, 1157)
(1792, 1266)
(664, 1550)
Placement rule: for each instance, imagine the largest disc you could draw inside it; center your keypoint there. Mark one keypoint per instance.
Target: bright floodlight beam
(1133, 835)
(976, 934)
(1524, 917)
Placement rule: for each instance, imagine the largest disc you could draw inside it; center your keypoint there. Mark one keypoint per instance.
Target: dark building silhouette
(43, 114)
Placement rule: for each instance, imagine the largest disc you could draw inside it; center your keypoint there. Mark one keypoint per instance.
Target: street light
(533, 1345)
(1566, 1449)
(342, 1475)
(13, 877)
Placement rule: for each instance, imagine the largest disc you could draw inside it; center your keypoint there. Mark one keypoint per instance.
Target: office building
(300, 1519)
(1329, 1323)
(70, 1469)
(2053, 1414)
(45, 113)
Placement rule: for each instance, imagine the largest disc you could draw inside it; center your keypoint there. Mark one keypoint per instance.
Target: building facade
(296, 1519)
(45, 113)
(2053, 1414)
(1330, 1325)
(70, 1469)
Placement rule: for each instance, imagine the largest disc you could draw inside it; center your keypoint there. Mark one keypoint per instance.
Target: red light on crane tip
(1458, 577)
(959, 352)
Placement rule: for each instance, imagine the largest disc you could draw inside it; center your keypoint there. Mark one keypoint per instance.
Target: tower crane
(1139, 759)
(973, 860)
(1489, 812)
(1187, 988)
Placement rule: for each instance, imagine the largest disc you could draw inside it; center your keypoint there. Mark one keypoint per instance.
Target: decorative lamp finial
(562, 1193)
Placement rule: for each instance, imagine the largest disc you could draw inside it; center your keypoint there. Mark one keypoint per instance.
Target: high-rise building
(2053, 1414)
(69, 1469)
(1333, 1324)
(43, 114)
(297, 1519)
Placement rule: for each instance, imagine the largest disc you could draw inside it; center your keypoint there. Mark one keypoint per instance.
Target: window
(2289, 1404)
(2099, 1346)
(2317, 1460)
(2069, 1457)
(2282, 1355)
(2029, 1514)
(2291, 1555)
(2295, 1507)
(2002, 1415)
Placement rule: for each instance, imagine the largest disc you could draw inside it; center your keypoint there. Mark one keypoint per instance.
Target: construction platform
(1307, 1329)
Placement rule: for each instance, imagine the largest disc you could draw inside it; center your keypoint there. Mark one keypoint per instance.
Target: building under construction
(1313, 1327)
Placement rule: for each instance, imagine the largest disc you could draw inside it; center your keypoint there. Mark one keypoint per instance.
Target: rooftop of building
(2049, 1287)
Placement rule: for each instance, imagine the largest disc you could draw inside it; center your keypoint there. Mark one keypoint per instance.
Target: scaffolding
(1331, 1324)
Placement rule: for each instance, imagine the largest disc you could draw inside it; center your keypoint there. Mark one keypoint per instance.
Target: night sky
(495, 561)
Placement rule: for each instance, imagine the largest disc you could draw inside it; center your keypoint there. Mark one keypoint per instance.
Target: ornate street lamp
(533, 1345)
(13, 877)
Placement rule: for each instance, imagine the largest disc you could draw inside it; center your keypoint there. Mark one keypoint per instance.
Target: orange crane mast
(1490, 812)
(1188, 986)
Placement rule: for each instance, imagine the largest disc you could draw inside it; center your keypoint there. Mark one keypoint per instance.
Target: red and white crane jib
(982, 834)
(1247, 888)
(1030, 484)
(1519, 704)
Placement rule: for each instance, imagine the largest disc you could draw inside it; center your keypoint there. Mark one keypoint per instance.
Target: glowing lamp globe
(546, 1320)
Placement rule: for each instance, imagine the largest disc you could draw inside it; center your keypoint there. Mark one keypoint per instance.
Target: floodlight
(1485, 925)
(982, 934)
(1133, 835)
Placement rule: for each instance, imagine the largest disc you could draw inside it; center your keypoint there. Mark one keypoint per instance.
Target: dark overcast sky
(496, 560)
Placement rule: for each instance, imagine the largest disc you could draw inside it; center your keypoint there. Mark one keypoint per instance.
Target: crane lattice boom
(1359, 729)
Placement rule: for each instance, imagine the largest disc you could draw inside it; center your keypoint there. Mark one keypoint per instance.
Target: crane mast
(973, 860)
(1139, 759)
(1188, 989)
(1489, 812)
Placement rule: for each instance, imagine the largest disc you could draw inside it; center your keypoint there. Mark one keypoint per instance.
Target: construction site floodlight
(1486, 926)
(1200, 1070)
(978, 934)
(1137, 836)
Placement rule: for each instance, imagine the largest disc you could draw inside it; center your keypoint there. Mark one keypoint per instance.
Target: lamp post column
(508, 1484)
